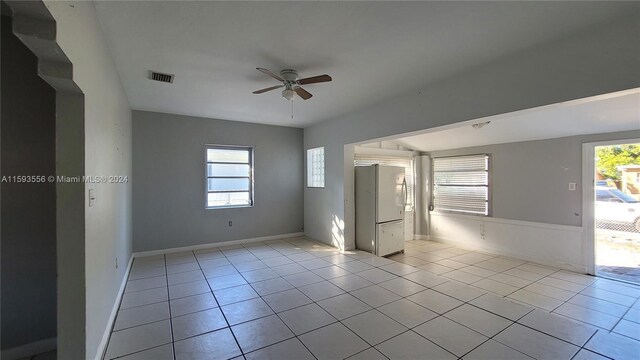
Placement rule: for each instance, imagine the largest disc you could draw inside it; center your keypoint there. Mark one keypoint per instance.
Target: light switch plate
(92, 197)
(572, 186)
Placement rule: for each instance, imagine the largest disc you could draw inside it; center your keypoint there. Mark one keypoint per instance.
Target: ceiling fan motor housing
(289, 75)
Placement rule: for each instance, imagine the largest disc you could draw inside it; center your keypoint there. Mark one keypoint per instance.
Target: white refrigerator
(381, 196)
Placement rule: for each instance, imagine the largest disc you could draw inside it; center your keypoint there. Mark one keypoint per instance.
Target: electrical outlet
(230, 223)
(572, 186)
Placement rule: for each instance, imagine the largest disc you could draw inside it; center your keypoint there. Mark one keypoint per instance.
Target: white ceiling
(373, 50)
(591, 116)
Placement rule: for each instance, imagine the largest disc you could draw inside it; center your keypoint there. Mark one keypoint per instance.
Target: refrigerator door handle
(406, 191)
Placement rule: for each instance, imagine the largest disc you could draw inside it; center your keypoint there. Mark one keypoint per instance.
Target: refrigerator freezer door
(390, 238)
(391, 193)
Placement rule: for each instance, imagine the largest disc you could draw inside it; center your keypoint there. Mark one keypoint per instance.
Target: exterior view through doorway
(616, 210)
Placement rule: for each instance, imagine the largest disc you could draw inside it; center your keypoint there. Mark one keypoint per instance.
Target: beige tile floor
(298, 299)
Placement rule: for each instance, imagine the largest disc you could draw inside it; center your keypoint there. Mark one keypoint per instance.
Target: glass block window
(315, 167)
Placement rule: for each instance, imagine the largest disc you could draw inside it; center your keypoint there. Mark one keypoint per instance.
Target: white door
(390, 238)
(392, 193)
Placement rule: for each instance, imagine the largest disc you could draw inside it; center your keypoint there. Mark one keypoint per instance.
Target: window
(229, 176)
(461, 184)
(315, 167)
(405, 162)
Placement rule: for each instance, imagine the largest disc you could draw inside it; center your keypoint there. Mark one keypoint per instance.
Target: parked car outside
(614, 207)
(605, 183)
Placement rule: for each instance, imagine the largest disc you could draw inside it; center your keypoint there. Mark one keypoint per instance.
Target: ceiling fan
(291, 83)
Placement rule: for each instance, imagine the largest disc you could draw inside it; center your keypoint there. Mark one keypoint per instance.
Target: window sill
(227, 207)
(444, 212)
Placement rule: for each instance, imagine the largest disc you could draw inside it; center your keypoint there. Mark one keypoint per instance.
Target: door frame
(588, 200)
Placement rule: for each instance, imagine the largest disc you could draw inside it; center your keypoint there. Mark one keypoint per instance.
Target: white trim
(114, 311)
(217, 244)
(420, 237)
(30, 349)
(519, 256)
(511, 222)
(524, 240)
(588, 211)
(363, 150)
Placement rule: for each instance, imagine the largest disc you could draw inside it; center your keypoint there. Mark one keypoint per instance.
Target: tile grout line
(153, 347)
(173, 347)
(262, 317)
(622, 318)
(106, 348)
(285, 324)
(585, 343)
(219, 307)
(488, 337)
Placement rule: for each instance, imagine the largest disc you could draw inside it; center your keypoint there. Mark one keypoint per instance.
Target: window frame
(309, 168)
(489, 186)
(251, 177)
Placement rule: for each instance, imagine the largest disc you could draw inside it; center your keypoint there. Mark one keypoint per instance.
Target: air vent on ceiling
(166, 78)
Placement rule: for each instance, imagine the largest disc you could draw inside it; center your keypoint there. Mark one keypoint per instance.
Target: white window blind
(229, 176)
(315, 167)
(405, 162)
(461, 184)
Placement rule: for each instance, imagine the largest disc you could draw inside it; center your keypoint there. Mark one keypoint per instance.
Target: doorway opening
(617, 211)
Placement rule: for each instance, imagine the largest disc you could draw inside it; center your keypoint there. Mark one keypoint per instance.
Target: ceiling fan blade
(315, 79)
(267, 89)
(265, 71)
(302, 93)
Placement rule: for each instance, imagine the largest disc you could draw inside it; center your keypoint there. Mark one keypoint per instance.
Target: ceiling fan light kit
(288, 94)
(291, 83)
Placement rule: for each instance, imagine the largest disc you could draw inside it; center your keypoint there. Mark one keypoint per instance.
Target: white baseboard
(420, 237)
(114, 311)
(218, 244)
(27, 350)
(559, 246)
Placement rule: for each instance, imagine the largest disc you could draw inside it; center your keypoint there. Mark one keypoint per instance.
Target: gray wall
(28, 211)
(169, 181)
(599, 60)
(530, 180)
(107, 152)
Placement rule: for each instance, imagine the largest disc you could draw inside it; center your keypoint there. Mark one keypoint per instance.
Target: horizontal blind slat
(471, 162)
(461, 178)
